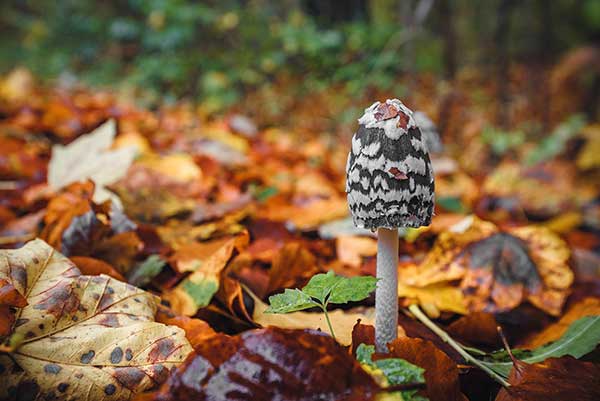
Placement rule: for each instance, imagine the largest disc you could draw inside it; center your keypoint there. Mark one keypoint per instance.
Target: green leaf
(142, 273)
(364, 354)
(352, 289)
(396, 370)
(320, 285)
(202, 292)
(581, 338)
(290, 301)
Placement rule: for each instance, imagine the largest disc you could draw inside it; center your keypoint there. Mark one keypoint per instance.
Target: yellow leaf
(435, 298)
(82, 337)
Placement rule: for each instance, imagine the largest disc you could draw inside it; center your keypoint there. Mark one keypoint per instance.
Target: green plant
(396, 371)
(322, 290)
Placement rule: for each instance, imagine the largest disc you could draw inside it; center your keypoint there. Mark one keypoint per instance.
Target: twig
(415, 310)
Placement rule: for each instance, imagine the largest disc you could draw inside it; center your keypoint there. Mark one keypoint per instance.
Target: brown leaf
(563, 378)
(93, 267)
(441, 373)
(496, 270)
(478, 328)
(270, 364)
(585, 307)
(362, 334)
(197, 331)
(81, 337)
(292, 267)
(207, 261)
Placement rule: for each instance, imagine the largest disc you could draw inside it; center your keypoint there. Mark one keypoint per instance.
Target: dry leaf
(89, 157)
(496, 270)
(563, 378)
(206, 261)
(585, 307)
(81, 337)
(351, 249)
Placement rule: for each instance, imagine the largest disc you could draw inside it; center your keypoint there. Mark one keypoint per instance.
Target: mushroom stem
(386, 294)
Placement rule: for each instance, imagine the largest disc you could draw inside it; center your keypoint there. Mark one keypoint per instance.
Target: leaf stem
(324, 307)
(415, 310)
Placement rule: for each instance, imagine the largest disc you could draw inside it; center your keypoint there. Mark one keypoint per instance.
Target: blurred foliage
(214, 50)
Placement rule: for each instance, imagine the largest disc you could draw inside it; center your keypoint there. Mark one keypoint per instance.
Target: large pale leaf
(81, 337)
(89, 157)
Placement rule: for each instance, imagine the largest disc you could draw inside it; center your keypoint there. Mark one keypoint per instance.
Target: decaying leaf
(269, 364)
(555, 379)
(81, 337)
(496, 270)
(89, 157)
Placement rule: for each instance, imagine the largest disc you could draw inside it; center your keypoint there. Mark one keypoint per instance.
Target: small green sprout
(322, 290)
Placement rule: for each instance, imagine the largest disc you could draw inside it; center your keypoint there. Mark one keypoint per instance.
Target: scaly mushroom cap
(389, 179)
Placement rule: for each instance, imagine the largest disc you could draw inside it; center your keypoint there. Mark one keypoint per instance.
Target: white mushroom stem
(386, 294)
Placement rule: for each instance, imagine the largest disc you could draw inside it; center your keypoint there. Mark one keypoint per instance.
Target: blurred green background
(215, 51)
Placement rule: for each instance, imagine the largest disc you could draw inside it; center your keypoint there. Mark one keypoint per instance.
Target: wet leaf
(290, 301)
(89, 157)
(94, 329)
(270, 364)
(326, 288)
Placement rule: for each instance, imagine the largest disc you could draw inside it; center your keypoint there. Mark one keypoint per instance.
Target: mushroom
(389, 182)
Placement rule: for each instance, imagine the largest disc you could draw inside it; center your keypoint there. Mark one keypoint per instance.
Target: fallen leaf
(496, 270)
(441, 373)
(585, 307)
(95, 329)
(554, 379)
(270, 364)
(94, 267)
(434, 298)
(477, 328)
(142, 273)
(197, 331)
(206, 261)
(351, 249)
(292, 267)
(581, 338)
(89, 157)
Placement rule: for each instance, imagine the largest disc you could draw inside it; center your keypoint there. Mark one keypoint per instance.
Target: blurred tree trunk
(545, 52)
(501, 37)
(329, 12)
(446, 11)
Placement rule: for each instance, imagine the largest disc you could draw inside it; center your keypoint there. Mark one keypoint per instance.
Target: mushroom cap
(389, 180)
